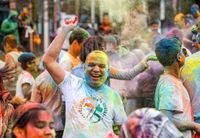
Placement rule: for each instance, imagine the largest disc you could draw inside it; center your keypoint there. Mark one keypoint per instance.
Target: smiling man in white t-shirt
(91, 106)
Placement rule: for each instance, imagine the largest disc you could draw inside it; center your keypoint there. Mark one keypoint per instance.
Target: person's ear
(178, 57)
(108, 70)
(19, 132)
(75, 42)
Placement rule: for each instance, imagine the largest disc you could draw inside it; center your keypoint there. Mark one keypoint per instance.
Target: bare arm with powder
(52, 53)
(182, 125)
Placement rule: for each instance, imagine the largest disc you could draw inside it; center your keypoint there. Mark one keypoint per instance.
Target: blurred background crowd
(129, 29)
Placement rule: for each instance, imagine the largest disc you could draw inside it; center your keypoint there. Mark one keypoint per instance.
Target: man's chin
(95, 85)
(95, 79)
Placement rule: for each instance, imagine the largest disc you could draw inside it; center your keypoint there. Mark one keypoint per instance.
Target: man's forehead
(97, 57)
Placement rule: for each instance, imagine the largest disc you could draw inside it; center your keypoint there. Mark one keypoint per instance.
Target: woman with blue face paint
(92, 108)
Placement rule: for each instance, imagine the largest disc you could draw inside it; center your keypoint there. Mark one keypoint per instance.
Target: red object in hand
(75, 19)
(71, 21)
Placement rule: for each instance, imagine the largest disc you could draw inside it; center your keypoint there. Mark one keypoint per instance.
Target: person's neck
(94, 87)
(28, 70)
(13, 50)
(70, 51)
(173, 70)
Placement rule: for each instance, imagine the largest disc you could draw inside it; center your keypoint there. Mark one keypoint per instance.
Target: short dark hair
(154, 21)
(167, 49)
(11, 40)
(78, 34)
(90, 44)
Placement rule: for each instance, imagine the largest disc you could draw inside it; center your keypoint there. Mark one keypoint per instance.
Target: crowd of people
(93, 83)
(22, 27)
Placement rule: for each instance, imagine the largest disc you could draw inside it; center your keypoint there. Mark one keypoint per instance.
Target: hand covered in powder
(151, 57)
(70, 23)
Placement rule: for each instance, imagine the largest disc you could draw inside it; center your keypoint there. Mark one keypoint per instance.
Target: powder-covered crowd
(95, 89)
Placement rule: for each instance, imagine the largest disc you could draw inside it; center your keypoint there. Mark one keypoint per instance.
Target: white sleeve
(27, 80)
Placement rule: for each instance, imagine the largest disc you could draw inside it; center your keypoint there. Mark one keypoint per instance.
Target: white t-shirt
(64, 59)
(24, 77)
(90, 113)
(67, 61)
(171, 95)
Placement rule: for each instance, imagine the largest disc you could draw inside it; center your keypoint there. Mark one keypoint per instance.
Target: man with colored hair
(91, 106)
(171, 97)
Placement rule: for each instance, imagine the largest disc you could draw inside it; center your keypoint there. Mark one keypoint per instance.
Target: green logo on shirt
(92, 108)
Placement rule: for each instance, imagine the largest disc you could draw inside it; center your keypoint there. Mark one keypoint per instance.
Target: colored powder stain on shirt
(172, 96)
(91, 112)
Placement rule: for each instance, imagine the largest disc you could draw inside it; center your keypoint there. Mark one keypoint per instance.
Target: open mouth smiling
(95, 77)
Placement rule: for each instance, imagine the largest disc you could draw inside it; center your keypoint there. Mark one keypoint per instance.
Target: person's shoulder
(197, 54)
(111, 91)
(167, 79)
(14, 54)
(26, 73)
(80, 67)
(78, 71)
(43, 74)
(192, 59)
(191, 66)
(44, 79)
(167, 82)
(71, 80)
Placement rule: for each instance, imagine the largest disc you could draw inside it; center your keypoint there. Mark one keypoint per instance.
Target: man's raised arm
(52, 53)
